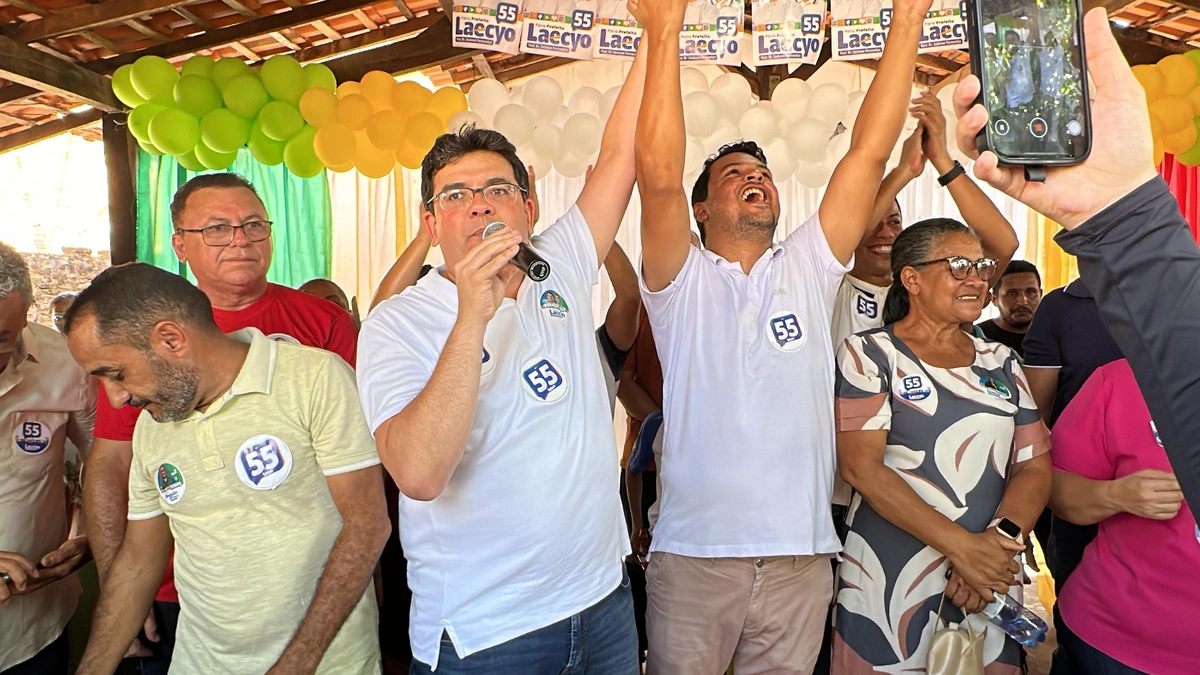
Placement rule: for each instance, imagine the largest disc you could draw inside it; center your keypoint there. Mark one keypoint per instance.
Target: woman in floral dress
(939, 436)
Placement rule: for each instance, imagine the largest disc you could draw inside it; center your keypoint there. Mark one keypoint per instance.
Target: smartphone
(1029, 57)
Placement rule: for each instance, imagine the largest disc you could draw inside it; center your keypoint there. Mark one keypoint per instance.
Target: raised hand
(1122, 149)
(659, 16)
(476, 276)
(912, 156)
(928, 109)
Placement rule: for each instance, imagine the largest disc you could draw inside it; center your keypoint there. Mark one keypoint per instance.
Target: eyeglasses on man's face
(961, 266)
(459, 198)
(222, 235)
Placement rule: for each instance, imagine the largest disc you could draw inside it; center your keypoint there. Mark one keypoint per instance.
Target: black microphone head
(539, 270)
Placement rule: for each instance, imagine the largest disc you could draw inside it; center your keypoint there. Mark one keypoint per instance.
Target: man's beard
(748, 226)
(1019, 323)
(174, 391)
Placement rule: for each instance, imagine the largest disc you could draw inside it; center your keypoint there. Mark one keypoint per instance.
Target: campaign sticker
(554, 305)
(786, 332)
(914, 388)
(263, 462)
(32, 437)
(544, 380)
(994, 387)
(866, 306)
(489, 361)
(1157, 438)
(171, 484)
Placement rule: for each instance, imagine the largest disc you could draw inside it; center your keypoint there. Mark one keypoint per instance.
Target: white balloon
(530, 157)
(838, 147)
(759, 124)
(689, 181)
(693, 156)
(725, 133)
(486, 97)
(700, 114)
(732, 91)
(828, 102)
(570, 166)
(561, 118)
(585, 100)
(581, 135)
(607, 101)
(814, 174)
(779, 158)
(547, 140)
(460, 119)
(808, 139)
(691, 80)
(853, 105)
(791, 98)
(515, 122)
(543, 97)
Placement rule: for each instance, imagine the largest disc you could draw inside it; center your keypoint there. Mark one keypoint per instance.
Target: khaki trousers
(766, 615)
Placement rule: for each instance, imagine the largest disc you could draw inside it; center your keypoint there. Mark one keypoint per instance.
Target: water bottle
(1014, 619)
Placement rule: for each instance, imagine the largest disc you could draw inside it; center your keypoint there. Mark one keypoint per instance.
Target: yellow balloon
(1156, 128)
(1175, 113)
(335, 145)
(343, 168)
(1179, 75)
(1158, 152)
(377, 86)
(1152, 80)
(1181, 141)
(386, 129)
(447, 102)
(354, 111)
(409, 157)
(348, 88)
(409, 97)
(319, 107)
(422, 130)
(370, 160)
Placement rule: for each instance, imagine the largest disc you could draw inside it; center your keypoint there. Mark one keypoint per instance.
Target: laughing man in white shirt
(485, 393)
(739, 567)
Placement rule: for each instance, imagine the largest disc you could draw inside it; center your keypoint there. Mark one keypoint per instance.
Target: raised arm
(621, 321)
(912, 164)
(127, 594)
(995, 232)
(606, 193)
(404, 272)
(845, 211)
(661, 141)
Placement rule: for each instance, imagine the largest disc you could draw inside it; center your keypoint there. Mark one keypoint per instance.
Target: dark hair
(63, 296)
(1017, 267)
(207, 180)
(449, 148)
(911, 248)
(128, 300)
(700, 189)
(425, 269)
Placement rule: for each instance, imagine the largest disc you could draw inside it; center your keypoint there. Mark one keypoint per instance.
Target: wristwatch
(1009, 529)
(948, 177)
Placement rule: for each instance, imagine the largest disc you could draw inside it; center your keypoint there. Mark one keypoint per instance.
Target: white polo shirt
(748, 458)
(529, 531)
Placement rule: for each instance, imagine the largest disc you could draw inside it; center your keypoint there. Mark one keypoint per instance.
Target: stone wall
(52, 274)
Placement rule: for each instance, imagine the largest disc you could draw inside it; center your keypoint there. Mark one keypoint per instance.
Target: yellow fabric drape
(1058, 267)
(403, 236)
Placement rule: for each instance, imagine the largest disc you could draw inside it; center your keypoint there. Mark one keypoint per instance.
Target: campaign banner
(487, 24)
(859, 28)
(787, 31)
(617, 32)
(712, 33)
(945, 27)
(563, 28)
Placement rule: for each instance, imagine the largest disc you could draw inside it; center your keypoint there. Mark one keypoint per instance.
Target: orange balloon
(409, 97)
(348, 88)
(1156, 128)
(377, 86)
(335, 145)
(1179, 75)
(354, 111)
(446, 102)
(422, 130)
(410, 157)
(1158, 152)
(370, 160)
(1152, 80)
(319, 107)
(386, 130)
(343, 168)
(1180, 141)
(1175, 113)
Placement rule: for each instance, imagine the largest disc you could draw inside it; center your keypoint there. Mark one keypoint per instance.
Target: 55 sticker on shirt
(544, 381)
(785, 331)
(263, 462)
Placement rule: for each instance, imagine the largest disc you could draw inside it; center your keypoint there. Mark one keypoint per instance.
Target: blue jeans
(600, 640)
(1084, 658)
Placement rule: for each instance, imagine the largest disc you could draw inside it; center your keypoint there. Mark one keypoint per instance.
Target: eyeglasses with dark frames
(961, 266)
(222, 235)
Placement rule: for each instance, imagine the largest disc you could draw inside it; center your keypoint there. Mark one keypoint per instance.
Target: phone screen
(1033, 80)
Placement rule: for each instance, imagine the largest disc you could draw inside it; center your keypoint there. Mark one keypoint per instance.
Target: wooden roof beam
(242, 9)
(87, 16)
(27, 66)
(45, 130)
(16, 92)
(431, 48)
(393, 32)
(194, 18)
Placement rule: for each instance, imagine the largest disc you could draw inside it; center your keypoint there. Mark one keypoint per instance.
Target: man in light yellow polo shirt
(256, 463)
(45, 398)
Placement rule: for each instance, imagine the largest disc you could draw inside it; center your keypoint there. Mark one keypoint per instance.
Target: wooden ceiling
(56, 55)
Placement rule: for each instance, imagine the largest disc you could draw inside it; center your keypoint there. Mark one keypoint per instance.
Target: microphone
(527, 259)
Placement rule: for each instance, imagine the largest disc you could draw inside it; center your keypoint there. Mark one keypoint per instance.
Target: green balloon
(198, 65)
(244, 96)
(149, 148)
(1192, 156)
(283, 77)
(319, 75)
(123, 87)
(298, 154)
(280, 121)
(227, 69)
(264, 149)
(197, 95)
(224, 132)
(212, 159)
(154, 79)
(1193, 55)
(174, 131)
(139, 120)
(188, 161)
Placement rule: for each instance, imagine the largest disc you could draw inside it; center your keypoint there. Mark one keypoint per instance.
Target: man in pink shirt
(1132, 602)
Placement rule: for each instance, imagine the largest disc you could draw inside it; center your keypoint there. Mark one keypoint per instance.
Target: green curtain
(298, 207)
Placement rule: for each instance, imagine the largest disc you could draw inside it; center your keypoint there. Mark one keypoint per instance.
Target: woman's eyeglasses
(960, 267)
